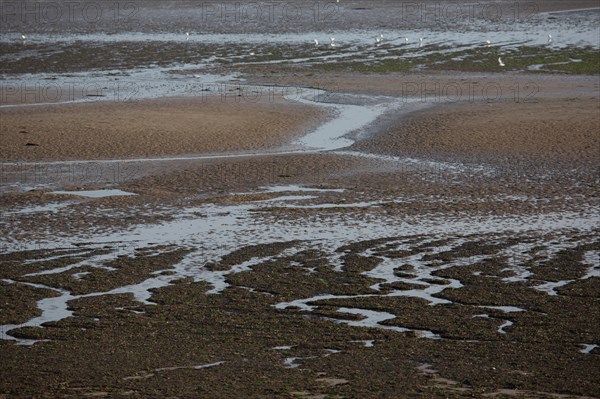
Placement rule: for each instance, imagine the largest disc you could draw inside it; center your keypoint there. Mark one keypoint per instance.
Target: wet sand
(560, 130)
(145, 128)
(451, 252)
(282, 276)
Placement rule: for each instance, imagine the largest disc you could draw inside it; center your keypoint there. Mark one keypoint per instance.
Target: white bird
(549, 38)
(406, 39)
(316, 42)
(500, 62)
(488, 43)
(332, 41)
(23, 37)
(252, 53)
(420, 42)
(187, 36)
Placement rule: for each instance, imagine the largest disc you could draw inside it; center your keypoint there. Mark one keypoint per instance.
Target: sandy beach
(551, 130)
(155, 128)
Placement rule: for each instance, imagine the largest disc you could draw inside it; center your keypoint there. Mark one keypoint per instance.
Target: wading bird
(500, 62)
(316, 42)
(420, 42)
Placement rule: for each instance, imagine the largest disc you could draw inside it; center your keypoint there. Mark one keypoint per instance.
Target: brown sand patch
(163, 127)
(562, 130)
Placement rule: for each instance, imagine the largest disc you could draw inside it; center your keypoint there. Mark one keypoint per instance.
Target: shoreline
(424, 234)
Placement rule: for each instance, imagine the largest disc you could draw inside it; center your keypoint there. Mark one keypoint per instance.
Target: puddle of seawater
(373, 319)
(204, 366)
(423, 273)
(282, 348)
(94, 193)
(368, 343)
(592, 258)
(505, 309)
(587, 348)
(292, 362)
(53, 309)
(349, 118)
(504, 325)
(551, 286)
(330, 135)
(96, 261)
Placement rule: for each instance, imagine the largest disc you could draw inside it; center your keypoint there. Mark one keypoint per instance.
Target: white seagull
(488, 43)
(420, 42)
(332, 41)
(379, 39)
(500, 62)
(406, 40)
(316, 42)
(23, 37)
(549, 38)
(187, 36)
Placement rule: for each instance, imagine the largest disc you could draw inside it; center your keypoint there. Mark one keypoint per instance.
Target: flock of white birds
(378, 42)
